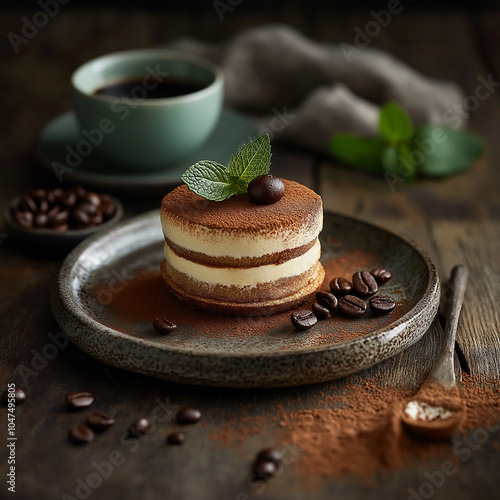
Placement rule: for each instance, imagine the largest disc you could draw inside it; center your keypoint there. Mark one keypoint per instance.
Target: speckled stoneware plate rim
(64, 306)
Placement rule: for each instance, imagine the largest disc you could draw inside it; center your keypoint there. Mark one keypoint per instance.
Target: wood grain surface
(457, 220)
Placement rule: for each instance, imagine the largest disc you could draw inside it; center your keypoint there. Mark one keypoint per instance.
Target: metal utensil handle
(444, 369)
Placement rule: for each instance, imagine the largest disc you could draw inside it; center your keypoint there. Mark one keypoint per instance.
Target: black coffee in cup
(154, 89)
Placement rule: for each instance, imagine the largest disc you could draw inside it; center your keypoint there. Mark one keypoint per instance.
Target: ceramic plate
(232, 131)
(109, 292)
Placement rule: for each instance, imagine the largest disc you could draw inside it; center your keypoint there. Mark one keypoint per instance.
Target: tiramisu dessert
(236, 256)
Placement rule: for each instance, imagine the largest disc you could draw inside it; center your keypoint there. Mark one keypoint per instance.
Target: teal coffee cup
(146, 109)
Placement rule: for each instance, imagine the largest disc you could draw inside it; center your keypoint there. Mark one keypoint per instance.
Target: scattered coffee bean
(382, 305)
(176, 438)
(381, 275)
(302, 320)
(320, 311)
(340, 287)
(364, 284)
(140, 427)
(265, 470)
(19, 396)
(328, 300)
(352, 306)
(99, 421)
(60, 210)
(79, 399)
(266, 189)
(188, 415)
(81, 434)
(164, 326)
(270, 455)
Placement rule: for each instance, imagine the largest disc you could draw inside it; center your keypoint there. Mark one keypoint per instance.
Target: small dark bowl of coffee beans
(59, 218)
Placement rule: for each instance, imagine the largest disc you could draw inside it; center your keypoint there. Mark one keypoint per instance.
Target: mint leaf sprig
(405, 151)
(215, 182)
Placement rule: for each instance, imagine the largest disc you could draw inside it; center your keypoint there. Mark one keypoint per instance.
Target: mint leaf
(395, 125)
(216, 182)
(250, 161)
(445, 151)
(210, 180)
(360, 152)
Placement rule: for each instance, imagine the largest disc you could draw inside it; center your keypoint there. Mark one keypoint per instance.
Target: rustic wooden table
(456, 219)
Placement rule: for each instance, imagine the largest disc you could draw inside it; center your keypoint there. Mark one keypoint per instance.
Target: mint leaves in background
(405, 152)
(215, 182)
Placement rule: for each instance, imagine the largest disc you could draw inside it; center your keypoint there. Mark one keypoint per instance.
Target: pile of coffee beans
(63, 209)
(348, 298)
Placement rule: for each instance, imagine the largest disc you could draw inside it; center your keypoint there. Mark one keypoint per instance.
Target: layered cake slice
(237, 257)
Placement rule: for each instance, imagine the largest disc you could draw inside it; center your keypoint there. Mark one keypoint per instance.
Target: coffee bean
(176, 438)
(270, 455)
(79, 217)
(140, 427)
(381, 275)
(188, 415)
(97, 218)
(340, 287)
(68, 198)
(38, 194)
(382, 305)
(43, 206)
(320, 311)
(92, 198)
(108, 209)
(79, 399)
(19, 396)
(163, 326)
(54, 195)
(61, 228)
(364, 284)
(27, 204)
(266, 189)
(302, 320)
(53, 212)
(81, 434)
(80, 191)
(59, 218)
(89, 208)
(328, 300)
(265, 470)
(40, 221)
(352, 306)
(99, 421)
(23, 219)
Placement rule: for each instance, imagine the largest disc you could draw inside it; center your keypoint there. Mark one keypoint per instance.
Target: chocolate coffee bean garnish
(79, 399)
(60, 210)
(381, 275)
(340, 287)
(265, 470)
(302, 320)
(19, 396)
(364, 284)
(188, 415)
(99, 421)
(266, 189)
(176, 438)
(270, 455)
(81, 434)
(164, 326)
(352, 306)
(320, 311)
(328, 300)
(382, 305)
(140, 427)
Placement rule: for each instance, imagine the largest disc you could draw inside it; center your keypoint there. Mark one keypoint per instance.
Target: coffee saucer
(63, 134)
